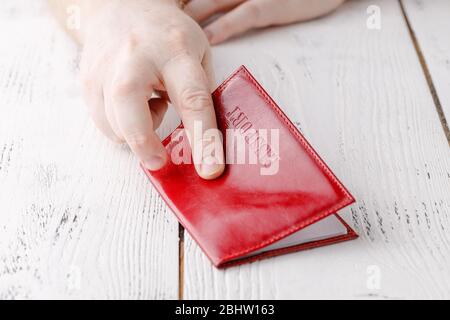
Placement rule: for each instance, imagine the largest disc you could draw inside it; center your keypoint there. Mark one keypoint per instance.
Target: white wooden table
(78, 218)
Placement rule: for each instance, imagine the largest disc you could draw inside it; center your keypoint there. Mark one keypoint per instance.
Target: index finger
(190, 91)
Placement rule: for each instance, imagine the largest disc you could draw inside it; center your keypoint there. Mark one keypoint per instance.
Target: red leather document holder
(245, 216)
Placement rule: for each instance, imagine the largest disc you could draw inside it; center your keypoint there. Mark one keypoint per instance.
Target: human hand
(134, 49)
(243, 15)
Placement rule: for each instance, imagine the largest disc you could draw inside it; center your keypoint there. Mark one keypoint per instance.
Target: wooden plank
(360, 97)
(78, 219)
(430, 21)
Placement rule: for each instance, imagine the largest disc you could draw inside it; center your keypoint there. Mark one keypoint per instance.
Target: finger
(243, 18)
(200, 10)
(207, 65)
(110, 115)
(135, 122)
(157, 106)
(132, 113)
(96, 108)
(191, 95)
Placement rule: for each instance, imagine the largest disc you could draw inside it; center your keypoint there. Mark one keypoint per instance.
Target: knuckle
(179, 55)
(177, 37)
(195, 100)
(123, 88)
(253, 10)
(137, 139)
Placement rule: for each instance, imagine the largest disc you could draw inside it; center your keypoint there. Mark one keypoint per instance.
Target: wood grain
(430, 22)
(78, 218)
(361, 98)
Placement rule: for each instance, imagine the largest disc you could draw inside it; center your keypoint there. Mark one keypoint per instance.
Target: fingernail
(211, 170)
(154, 163)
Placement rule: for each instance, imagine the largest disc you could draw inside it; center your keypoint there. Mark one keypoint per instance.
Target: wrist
(91, 11)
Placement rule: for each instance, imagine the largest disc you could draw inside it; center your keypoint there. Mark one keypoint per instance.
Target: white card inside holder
(326, 228)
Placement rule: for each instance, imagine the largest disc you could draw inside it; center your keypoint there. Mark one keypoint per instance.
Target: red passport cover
(243, 211)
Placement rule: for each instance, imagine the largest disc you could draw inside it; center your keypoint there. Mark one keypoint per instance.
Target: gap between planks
(180, 261)
(426, 71)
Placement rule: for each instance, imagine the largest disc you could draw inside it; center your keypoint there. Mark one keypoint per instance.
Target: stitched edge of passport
(292, 128)
(351, 235)
(348, 197)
